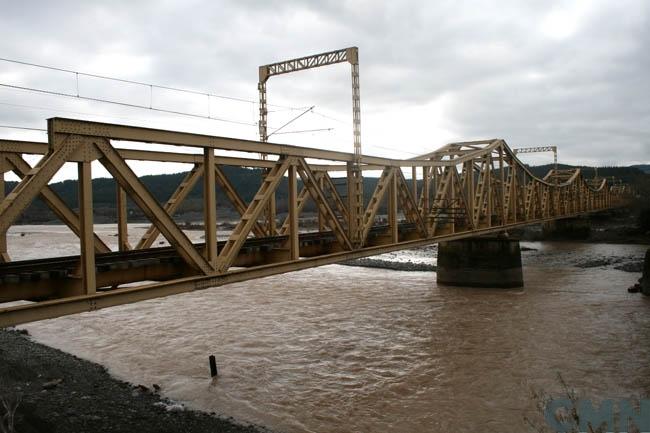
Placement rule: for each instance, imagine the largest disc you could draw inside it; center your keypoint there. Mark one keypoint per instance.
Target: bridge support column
(568, 228)
(87, 250)
(480, 262)
(122, 219)
(4, 255)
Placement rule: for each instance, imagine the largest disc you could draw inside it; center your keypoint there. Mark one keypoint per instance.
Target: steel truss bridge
(461, 190)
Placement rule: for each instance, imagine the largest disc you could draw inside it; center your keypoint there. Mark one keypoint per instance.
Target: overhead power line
(151, 87)
(292, 120)
(141, 83)
(329, 117)
(83, 113)
(23, 128)
(305, 130)
(124, 104)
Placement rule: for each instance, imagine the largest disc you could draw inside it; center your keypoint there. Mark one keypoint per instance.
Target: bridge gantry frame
(355, 180)
(461, 190)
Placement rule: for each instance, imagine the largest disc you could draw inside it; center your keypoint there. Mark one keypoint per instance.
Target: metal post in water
(213, 366)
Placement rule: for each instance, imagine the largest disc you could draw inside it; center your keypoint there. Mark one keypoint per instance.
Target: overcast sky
(570, 73)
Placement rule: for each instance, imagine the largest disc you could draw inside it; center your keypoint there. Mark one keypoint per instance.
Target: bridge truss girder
(467, 189)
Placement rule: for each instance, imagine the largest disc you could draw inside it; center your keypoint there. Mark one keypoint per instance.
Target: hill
(643, 167)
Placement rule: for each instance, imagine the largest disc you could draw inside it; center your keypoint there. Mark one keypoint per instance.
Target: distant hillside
(627, 174)
(246, 181)
(643, 167)
(161, 186)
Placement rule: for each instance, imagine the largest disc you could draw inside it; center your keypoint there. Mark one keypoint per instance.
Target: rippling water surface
(342, 349)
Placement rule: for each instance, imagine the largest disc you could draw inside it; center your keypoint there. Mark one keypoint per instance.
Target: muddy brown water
(348, 349)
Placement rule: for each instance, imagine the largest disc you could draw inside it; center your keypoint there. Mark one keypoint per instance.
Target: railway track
(64, 267)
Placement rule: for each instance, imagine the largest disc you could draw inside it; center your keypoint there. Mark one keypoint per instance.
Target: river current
(346, 349)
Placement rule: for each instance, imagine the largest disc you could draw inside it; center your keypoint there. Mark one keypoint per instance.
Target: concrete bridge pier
(493, 261)
(567, 228)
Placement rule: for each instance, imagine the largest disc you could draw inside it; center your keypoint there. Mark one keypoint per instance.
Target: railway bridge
(460, 191)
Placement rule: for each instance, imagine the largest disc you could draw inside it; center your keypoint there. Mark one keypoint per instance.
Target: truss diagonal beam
(459, 192)
(172, 204)
(55, 203)
(301, 201)
(235, 199)
(407, 203)
(307, 62)
(123, 174)
(439, 208)
(34, 181)
(249, 218)
(480, 195)
(383, 184)
(311, 183)
(338, 202)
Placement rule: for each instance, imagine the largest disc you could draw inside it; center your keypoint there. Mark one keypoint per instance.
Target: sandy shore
(61, 393)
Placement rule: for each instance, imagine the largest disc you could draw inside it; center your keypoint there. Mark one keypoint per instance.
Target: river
(345, 349)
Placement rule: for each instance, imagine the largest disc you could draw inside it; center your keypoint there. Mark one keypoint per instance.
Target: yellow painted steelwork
(464, 190)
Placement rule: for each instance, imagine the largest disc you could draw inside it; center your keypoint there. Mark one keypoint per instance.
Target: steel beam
(143, 198)
(311, 183)
(35, 180)
(383, 184)
(37, 148)
(236, 200)
(328, 184)
(172, 204)
(21, 168)
(255, 209)
(122, 219)
(408, 204)
(149, 135)
(301, 201)
(89, 282)
(392, 210)
(4, 254)
(294, 246)
(470, 197)
(210, 208)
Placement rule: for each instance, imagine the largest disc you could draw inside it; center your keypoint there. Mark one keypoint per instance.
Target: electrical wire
(140, 83)
(151, 86)
(124, 104)
(61, 110)
(305, 130)
(329, 117)
(23, 128)
(394, 150)
(292, 120)
(84, 113)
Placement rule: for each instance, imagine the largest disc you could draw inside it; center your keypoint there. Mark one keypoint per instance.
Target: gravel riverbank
(60, 393)
(388, 264)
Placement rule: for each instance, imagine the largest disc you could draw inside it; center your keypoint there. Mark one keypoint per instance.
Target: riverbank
(616, 226)
(389, 264)
(60, 393)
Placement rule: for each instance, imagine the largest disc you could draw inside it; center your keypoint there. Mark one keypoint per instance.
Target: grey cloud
(503, 77)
